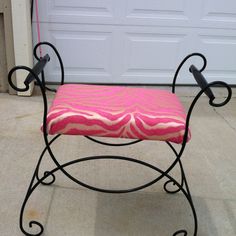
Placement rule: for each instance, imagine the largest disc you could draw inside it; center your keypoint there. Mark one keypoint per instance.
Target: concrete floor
(66, 209)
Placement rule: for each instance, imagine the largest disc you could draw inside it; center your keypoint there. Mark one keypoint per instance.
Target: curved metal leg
(182, 175)
(182, 182)
(40, 160)
(189, 198)
(61, 167)
(31, 223)
(28, 194)
(33, 186)
(163, 174)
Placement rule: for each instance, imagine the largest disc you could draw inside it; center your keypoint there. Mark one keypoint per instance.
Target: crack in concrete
(226, 121)
(49, 208)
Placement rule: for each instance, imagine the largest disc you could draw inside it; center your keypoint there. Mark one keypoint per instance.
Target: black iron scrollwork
(183, 62)
(59, 59)
(212, 102)
(46, 173)
(18, 89)
(49, 177)
(205, 88)
(33, 224)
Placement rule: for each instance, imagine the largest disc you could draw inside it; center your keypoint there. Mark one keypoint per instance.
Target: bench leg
(36, 181)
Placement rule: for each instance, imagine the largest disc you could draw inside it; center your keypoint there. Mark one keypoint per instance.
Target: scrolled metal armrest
(56, 52)
(202, 82)
(206, 87)
(26, 83)
(182, 63)
(33, 73)
(38, 68)
(228, 97)
(33, 76)
(211, 102)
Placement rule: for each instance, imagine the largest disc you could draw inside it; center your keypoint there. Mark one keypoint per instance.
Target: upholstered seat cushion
(117, 111)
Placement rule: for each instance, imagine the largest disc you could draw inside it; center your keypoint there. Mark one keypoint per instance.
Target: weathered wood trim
(22, 37)
(5, 9)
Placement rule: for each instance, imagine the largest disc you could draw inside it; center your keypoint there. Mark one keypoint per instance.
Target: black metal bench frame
(48, 178)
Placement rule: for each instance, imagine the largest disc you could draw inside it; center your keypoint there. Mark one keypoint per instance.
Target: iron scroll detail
(181, 186)
(183, 62)
(58, 56)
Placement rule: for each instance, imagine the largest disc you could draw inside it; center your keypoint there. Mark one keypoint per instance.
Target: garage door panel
(139, 41)
(158, 9)
(122, 12)
(87, 54)
(77, 11)
(220, 50)
(139, 48)
(219, 13)
(157, 12)
(153, 53)
(82, 8)
(83, 50)
(221, 46)
(220, 10)
(83, 5)
(202, 13)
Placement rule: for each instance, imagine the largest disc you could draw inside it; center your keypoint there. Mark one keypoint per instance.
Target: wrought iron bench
(115, 111)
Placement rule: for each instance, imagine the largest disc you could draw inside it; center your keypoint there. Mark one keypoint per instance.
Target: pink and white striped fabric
(117, 111)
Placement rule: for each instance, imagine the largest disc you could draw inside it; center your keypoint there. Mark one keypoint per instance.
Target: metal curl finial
(31, 225)
(10, 78)
(56, 52)
(28, 80)
(48, 173)
(182, 63)
(228, 97)
(169, 190)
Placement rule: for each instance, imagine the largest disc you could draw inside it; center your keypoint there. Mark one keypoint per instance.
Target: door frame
(22, 40)
(5, 9)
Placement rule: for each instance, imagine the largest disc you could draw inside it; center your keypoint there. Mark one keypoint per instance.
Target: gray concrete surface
(66, 209)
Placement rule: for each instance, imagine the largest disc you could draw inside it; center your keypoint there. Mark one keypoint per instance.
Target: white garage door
(139, 41)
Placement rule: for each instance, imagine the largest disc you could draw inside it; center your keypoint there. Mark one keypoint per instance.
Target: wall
(22, 40)
(7, 58)
(3, 63)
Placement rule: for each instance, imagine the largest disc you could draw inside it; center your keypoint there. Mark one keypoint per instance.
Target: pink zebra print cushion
(117, 111)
